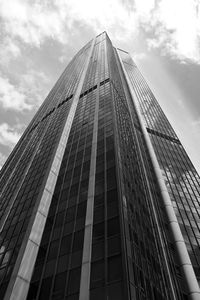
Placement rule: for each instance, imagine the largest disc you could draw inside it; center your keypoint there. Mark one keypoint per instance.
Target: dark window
(45, 290)
(115, 291)
(59, 219)
(99, 200)
(71, 214)
(81, 210)
(98, 294)
(97, 274)
(63, 263)
(73, 297)
(114, 268)
(78, 240)
(59, 284)
(98, 250)
(74, 281)
(114, 245)
(76, 259)
(49, 268)
(37, 272)
(68, 228)
(99, 187)
(53, 250)
(112, 195)
(66, 244)
(41, 254)
(98, 231)
(99, 214)
(113, 227)
(112, 209)
(33, 291)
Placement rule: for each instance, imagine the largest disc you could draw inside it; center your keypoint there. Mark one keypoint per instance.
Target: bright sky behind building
(38, 39)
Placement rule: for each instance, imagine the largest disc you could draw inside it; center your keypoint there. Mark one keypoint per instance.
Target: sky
(39, 38)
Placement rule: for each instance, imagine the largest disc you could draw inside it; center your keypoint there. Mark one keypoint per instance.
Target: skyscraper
(99, 200)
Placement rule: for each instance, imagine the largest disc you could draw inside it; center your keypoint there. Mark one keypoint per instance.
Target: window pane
(60, 280)
(78, 240)
(45, 290)
(97, 274)
(114, 245)
(114, 268)
(98, 250)
(74, 281)
(98, 231)
(115, 291)
(53, 250)
(98, 294)
(113, 226)
(66, 244)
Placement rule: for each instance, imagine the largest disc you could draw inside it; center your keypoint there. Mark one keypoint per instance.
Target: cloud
(11, 96)
(176, 29)
(9, 50)
(27, 94)
(32, 22)
(173, 25)
(34, 84)
(8, 135)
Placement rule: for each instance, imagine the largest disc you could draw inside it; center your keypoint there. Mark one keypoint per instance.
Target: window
(112, 209)
(66, 244)
(114, 245)
(97, 294)
(78, 240)
(53, 250)
(37, 272)
(97, 274)
(63, 262)
(33, 291)
(45, 290)
(60, 281)
(99, 200)
(49, 268)
(112, 195)
(74, 281)
(81, 211)
(76, 259)
(98, 250)
(70, 214)
(98, 231)
(115, 291)
(113, 226)
(114, 268)
(99, 214)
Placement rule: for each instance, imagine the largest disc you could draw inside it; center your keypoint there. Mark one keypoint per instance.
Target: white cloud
(176, 26)
(8, 135)
(174, 20)
(11, 96)
(31, 22)
(27, 94)
(9, 50)
(34, 84)
(110, 15)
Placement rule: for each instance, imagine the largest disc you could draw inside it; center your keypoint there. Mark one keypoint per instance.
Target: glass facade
(181, 178)
(82, 215)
